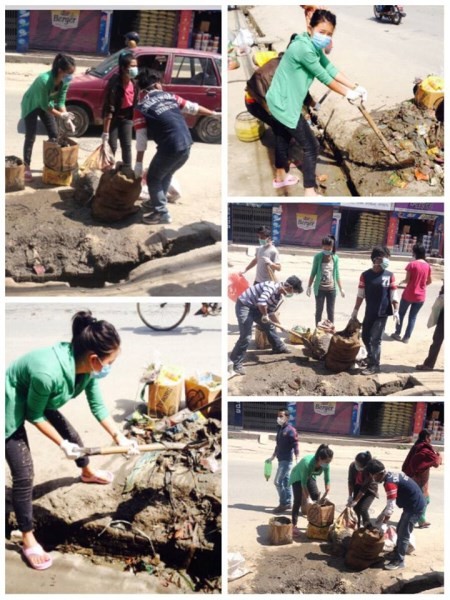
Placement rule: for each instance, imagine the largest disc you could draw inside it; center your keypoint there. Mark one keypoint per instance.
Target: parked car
(192, 74)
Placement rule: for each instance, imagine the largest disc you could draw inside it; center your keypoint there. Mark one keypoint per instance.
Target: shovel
(289, 331)
(155, 447)
(406, 162)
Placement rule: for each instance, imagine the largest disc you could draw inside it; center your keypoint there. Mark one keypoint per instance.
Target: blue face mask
(263, 242)
(321, 40)
(68, 78)
(133, 72)
(385, 263)
(106, 370)
(327, 252)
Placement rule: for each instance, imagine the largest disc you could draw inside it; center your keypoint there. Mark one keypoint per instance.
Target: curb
(47, 58)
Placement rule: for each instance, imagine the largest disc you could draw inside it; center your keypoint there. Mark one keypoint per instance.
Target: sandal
(289, 180)
(102, 477)
(36, 550)
(423, 525)
(28, 176)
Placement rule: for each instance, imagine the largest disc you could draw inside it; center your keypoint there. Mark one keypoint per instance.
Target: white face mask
(359, 468)
(281, 421)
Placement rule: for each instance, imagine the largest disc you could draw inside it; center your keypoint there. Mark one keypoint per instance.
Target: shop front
(305, 224)
(361, 226)
(245, 219)
(412, 223)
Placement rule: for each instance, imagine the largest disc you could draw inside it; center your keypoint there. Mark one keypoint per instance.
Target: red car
(192, 74)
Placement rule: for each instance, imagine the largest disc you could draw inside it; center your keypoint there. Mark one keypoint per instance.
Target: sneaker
(157, 218)
(283, 350)
(286, 507)
(395, 564)
(28, 176)
(278, 509)
(396, 336)
(239, 369)
(148, 204)
(371, 370)
(405, 340)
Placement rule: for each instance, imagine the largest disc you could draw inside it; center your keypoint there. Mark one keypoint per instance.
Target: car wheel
(81, 119)
(209, 129)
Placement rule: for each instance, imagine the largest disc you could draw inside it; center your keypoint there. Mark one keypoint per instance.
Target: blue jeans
(246, 316)
(404, 529)
(372, 333)
(415, 307)
(282, 482)
(159, 176)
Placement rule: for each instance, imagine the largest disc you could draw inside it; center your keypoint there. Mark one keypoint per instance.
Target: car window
(153, 61)
(191, 70)
(106, 66)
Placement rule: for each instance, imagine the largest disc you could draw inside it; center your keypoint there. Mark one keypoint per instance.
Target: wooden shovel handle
(156, 447)
(375, 127)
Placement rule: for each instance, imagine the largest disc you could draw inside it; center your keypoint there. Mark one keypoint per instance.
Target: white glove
(71, 450)
(105, 137)
(265, 319)
(309, 500)
(362, 92)
(343, 293)
(67, 116)
(138, 169)
(354, 314)
(308, 291)
(130, 447)
(396, 317)
(352, 95)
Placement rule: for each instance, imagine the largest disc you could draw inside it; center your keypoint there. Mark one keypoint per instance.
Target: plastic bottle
(267, 469)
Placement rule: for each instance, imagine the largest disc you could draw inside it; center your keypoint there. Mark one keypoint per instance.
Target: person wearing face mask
(267, 258)
(256, 305)
(362, 490)
(404, 492)
(286, 449)
(378, 288)
(37, 385)
(45, 98)
(309, 10)
(326, 278)
(303, 480)
(121, 96)
(304, 61)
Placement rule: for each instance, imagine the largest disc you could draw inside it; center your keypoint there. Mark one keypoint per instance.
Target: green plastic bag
(267, 469)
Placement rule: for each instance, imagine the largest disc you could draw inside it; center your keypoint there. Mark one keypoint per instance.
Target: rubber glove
(396, 317)
(67, 116)
(342, 293)
(138, 169)
(352, 95)
(71, 450)
(362, 92)
(308, 291)
(105, 137)
(265, 319)
(130, 446)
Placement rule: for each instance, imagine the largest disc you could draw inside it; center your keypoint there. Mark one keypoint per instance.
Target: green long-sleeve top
(45, 379)
(43, 93)
(316, 271)
(305, 469)
(301, 64)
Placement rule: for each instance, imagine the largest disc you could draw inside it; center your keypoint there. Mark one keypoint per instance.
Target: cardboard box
(14, 174)
(199, 393)
(204, 26)
(61, 159)
(51, 177)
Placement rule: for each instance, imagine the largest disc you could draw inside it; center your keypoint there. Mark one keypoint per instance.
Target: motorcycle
(391, 12)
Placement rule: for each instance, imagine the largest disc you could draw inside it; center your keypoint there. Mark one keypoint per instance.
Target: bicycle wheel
(162, 316)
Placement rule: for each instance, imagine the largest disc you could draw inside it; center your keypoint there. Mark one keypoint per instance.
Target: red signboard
(65, 31)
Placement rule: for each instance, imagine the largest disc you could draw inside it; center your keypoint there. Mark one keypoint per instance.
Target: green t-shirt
(42, 93)
(304, 470)
(301, 64)
(45, 379)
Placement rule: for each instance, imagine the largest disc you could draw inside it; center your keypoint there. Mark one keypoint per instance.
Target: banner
(65, 19)
(306, 222)
(325, 408)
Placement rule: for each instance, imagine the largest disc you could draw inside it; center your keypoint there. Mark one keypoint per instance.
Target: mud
(413, 133)
(51, 237)
(162, 514)
(296, 375)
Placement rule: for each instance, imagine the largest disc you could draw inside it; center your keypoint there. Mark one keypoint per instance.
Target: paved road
(249, 505)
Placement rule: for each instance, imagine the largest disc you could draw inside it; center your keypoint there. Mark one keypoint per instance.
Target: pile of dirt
(162, 515)
(412, 131)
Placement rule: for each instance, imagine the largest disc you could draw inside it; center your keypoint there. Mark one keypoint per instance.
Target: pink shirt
(419, 272)
(128, 97)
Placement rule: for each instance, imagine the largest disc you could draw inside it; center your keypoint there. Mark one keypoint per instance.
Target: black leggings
(311, 148)
(18, 457)
(362, 509)
(298, 493)
(121, 129)
(49, 122)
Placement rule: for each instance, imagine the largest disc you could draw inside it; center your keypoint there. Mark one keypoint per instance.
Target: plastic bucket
(248, 128)
(237, 284)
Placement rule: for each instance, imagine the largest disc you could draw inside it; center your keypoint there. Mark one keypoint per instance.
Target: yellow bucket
(262, 56)
(248, 128)
(430, 91)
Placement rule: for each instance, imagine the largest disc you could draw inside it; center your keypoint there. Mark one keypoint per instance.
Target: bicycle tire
(162, 316)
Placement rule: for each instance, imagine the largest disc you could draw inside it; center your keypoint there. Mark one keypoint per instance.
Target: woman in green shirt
(303, 62)
(326, 278)
(45, 98)
(303, 479)
(36, 386)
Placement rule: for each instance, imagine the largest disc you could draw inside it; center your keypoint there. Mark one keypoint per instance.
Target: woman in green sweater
(45, 98)
(303, 480)
(303, 62)
(36, 386)
(326, 278)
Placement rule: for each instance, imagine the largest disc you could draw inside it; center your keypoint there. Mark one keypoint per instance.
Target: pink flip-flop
(289, 180)
(36, 550)
(101, 477)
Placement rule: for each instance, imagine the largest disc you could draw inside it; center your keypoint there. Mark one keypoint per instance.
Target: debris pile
(413, 132)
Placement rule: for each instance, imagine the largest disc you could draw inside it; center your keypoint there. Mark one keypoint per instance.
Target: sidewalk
(42, 57)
